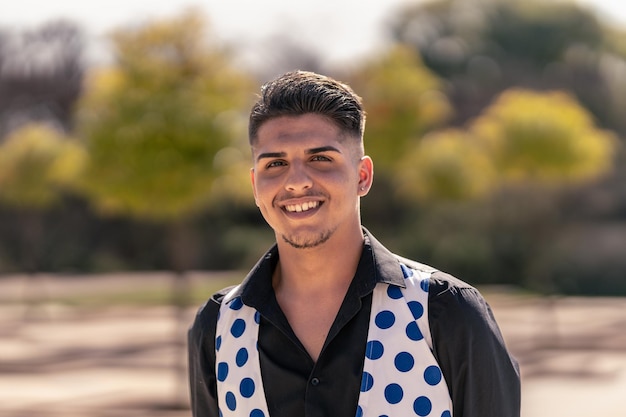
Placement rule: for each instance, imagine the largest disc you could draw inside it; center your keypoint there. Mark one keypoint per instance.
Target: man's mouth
(299, 208)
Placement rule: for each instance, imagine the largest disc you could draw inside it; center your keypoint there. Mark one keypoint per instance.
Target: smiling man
(329, 322)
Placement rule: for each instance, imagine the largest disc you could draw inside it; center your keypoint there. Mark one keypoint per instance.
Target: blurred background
(497, 128)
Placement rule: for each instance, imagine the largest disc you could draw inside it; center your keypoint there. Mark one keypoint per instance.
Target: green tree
(541, 144)
(540, 147)
(157, 122)
(161, 127)
(519, 157)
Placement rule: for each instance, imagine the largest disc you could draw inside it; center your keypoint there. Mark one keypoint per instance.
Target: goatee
(302, 243)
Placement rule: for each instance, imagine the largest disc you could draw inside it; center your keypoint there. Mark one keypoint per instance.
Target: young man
(329, 322)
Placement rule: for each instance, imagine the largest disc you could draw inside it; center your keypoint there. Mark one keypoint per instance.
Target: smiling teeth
(302, 207)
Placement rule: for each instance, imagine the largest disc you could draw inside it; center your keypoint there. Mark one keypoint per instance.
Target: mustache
(288, 196)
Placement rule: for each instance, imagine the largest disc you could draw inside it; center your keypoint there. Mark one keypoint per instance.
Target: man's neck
(326, 268)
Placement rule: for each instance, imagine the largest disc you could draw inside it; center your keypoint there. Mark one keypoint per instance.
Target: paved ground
(120, 361)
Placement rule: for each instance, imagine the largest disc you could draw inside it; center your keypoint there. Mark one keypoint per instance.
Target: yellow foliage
(101, 82)
(524, 136)
(36, 161)
(445, 165)
(543, 136)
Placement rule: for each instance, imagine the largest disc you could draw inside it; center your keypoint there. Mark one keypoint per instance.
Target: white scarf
(400, 377)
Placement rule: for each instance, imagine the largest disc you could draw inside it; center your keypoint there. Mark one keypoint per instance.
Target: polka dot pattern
(242, 357)
(400, 375)
(393, 393)
(238, 327)
(367, 380)
(422, 406)
(385, 319)
(374, 349)
(240, 392)
(404, 361)
(432, 375)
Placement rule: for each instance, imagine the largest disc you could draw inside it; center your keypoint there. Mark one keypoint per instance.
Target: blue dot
(239, 326)
(417, 309)
(236, 304)
(424, 285)
(222, 371)
(385, 319)
(242, 357)
(218, 342)
(394, 292)
(393, 393)
(422, 406)
(406, 271)
(432, 375)
(367, 381)
(374, 349)
(257, 317)
(246, 387)
(446, 414)
(413, 331)
(404, 361)
(359, 411)
(257, 413)
(231, 401)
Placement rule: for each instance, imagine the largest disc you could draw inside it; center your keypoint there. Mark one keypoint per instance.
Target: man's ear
(366, 175)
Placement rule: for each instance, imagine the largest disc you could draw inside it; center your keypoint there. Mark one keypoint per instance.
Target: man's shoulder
(415, 265)
(210, 309)
(459, 302)
(439, 280)
(448, 293)
(219, 296)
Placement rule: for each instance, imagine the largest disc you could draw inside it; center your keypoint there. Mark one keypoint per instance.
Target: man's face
(307, 179)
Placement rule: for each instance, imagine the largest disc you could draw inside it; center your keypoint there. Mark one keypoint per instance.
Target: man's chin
(308, 241)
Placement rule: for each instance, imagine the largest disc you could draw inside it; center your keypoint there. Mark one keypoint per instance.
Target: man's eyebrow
(271, 155)
(322, 149)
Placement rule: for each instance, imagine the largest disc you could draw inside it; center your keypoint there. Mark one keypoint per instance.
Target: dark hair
(299, 92)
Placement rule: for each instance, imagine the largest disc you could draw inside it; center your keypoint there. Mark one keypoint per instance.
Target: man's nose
(297, 178)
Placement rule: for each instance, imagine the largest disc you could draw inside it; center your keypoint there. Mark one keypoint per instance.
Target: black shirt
(483, 379)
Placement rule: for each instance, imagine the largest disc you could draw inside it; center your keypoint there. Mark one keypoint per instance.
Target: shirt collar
(376, 265)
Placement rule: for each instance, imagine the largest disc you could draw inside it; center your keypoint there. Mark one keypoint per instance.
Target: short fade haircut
(300, 92)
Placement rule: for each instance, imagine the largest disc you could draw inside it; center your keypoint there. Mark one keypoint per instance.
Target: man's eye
(320, 158)
(275, 164)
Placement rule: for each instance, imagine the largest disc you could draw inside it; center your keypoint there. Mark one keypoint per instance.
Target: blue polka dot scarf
(400, 375)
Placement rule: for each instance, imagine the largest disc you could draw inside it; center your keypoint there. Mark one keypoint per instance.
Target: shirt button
(315, 382)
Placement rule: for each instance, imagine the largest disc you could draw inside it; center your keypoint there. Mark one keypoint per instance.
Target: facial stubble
(303, 243)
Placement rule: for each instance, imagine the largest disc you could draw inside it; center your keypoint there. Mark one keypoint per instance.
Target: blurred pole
(182, 252)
